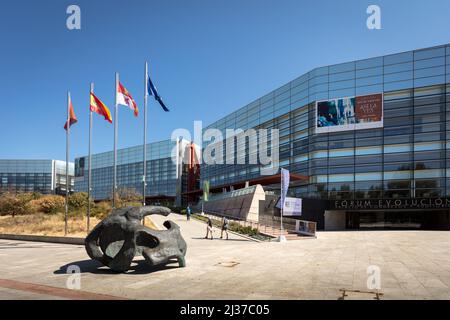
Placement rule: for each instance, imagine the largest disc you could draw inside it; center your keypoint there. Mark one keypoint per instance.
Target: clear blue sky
(207, 58)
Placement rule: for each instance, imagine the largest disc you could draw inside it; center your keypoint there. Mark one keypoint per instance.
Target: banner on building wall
(351, 113)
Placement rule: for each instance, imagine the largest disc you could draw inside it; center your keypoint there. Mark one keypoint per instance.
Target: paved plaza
(413, 264)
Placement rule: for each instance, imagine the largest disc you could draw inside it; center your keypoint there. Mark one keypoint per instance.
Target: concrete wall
(334, 220)
(242, 204)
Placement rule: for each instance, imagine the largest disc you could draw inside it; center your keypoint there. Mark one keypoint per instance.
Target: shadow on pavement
(95, 267)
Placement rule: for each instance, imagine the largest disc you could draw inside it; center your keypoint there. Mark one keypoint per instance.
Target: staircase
(276, 232)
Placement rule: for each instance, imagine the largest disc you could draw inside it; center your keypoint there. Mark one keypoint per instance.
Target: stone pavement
(413, 264)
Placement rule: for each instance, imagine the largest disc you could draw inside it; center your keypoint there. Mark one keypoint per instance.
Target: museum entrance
(398, 220)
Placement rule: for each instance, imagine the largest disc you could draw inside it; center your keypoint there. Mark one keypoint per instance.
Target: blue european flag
(153, 92)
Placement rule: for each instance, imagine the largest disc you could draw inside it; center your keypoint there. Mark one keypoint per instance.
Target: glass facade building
(406, 158)
(161, 171)
(43, 176)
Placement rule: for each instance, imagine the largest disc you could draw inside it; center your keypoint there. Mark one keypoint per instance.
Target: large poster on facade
(351, 113)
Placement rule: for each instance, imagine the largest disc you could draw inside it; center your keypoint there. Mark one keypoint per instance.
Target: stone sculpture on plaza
(117, 239)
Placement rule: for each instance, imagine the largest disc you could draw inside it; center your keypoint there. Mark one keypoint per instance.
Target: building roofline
(330, 65)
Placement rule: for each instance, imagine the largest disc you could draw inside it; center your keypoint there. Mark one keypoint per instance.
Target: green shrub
(49, 204)
(248, 230)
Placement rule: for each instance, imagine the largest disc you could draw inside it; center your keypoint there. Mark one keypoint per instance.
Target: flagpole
(116, 114)
(144, 174)
(89, 161)
(67, 163)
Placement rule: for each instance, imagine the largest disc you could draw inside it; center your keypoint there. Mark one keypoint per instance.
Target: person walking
(209, 228)
(188, 213)
(224, 227)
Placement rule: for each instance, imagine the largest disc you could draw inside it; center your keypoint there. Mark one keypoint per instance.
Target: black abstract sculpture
(117, 239)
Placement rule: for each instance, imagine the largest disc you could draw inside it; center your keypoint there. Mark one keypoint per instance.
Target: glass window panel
(429, 63)
(397, 148)
(400, 166)
(396, 122)
(318, 88)
(300, 80)
(398, 68)
(369, 63)
(340, 177)
(403, 94)
(369, 90)
(390, 113)
(318, 80)
(435, 90)
(369, 72)
(423, 82)
(400, 76)
(398, 184)
(368, 159)
(342, 85)
(398, 85)
(342, 93)
(429, 53)
(397, 175)
(421, 174)
(341, 153)
(342, 76)
(368, 168)
(398, 131)
(369, 81)
(368, 150)
(319, 72)
(398, 58)
(369, 142)
(369, 176)
(436, 117)
(350, 66)
(429, 72)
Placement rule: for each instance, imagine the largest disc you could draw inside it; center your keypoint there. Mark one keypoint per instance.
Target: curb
(50, 239)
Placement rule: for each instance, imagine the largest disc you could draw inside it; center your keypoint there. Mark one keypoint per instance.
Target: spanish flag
(124, 98)
(99, 107)
(72, 118)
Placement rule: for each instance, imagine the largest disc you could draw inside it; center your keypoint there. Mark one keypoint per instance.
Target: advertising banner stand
(285, 176)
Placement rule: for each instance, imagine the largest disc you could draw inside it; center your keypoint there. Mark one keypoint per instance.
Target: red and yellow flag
(72, 118)
(99, 107)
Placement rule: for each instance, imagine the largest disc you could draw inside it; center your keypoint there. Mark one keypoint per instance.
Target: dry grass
(51, 225)
(45, 225)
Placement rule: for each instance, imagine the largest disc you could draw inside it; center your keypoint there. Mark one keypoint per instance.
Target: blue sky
(207, 58)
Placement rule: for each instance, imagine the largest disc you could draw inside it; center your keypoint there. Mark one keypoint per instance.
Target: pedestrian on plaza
(209, 228)
(224, 227)
(188, 213)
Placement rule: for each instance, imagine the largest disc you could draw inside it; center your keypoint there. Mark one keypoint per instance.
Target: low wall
(51, 239)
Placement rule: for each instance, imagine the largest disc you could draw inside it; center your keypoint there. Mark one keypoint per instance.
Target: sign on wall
(292, 207)
(351, 113)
